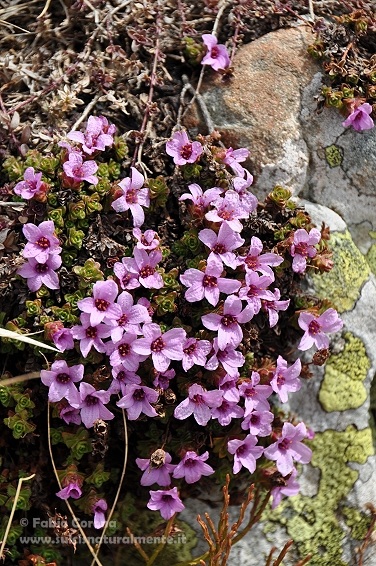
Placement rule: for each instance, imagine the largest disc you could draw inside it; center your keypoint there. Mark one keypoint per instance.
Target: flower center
(198, 399)
(63, 378)
(251, 261)
(77, 171)
(101, 304)
(250, 392)
(241, 450)
(122, 320)
(280, 380)
(252, 291)
(255, 419)
(43, 242)
(167, 498)
(189, 350)
(120, 376)
(91, 332)
(190, 463)
(314, 327)
(214, 52)
(41, 268)
(284, 444)
(228, 320)
(219, 249)
(124, 350)
(90, 400)
(147, 271)
(186, 151)
(144, 241)
(301, 249)
(157, 345)
(131, 196)
(225, 214)
(209, 281)
(139, 395)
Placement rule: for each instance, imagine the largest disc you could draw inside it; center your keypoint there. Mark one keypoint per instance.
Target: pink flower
(31, 184)
(286, 379)
(198, 403)
(230, 209)
(360, 118)
(131, 317)
(134, 197)
(182, 149)
(159, 474)
(38, 274)
(258, 423)
(289, 489)
(60, 380)
(162, 379)
(79, 170)
(92, 405)
(97, 135)
(99, 509)
(70, 415)
(303, 247)
(72, 490)
(230, 359)
(256, 289)
(288, 448)
(200, 199)
(101, 305)
(223, 243)
(149, 240)
(208, 284)
(256, 261)
(227, 411)
(228, 324)
(63, 339)
(89, 335)
(41, 241)
(123, 353)
(227, 384)
(315, 326)
(192, 467)
(143, 266)
(195, 352)
(255, 395)
(137, 400)
(166, 501)
(127, 279)
(162, 347)
(235, 156)
(245, 453)
(217, 56)
(121, 378)
(273, 307)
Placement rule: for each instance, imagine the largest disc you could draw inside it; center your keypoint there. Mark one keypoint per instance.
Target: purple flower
(227, 325)
(360, 118)
(131, 317)
(149, 240)
(195, 352)
(92, 405)
(227, 411)
(166, 501)
(63, 339)
(208, 284)
(101, 304)
(192, 467)
(285, 378)
(303, 247)
(121, 378)
(198, 403)
(273, 307)
(153, 473)
(99, 509)
(127, 279)
(258, 423)
(60, 380)
(256, 261)
(70, 415)
(31, 184)
(94, 138)
(134, 197)
(223, 243)
(78, 170)
(38, 274)
(235, 156)
(200, 199)
(137, 400)
(289, 489)
(289, 447)
(142, 266)
(217, 56)
(245, 453)
(72, 490)
(89, 335)
(182, 149)
(41, 241)
(315, 326)
(230, 359)
(227, 384)
(239, 184)
(256, 289)
(255, 395)
(162, 347)
(230, 209)
(124, 354)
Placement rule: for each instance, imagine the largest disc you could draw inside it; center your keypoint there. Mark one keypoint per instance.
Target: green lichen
(343, 283)
(342, 387)
(357, 521)
(334, 155)
(313, 521)
(371, 258)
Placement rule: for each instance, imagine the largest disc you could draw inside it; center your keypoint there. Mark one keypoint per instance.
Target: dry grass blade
(4, 333)
(19, 378)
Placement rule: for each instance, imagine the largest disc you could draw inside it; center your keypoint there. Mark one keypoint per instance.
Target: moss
(342, 387)
(334, 155)
(312, 521)
(343, 283)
